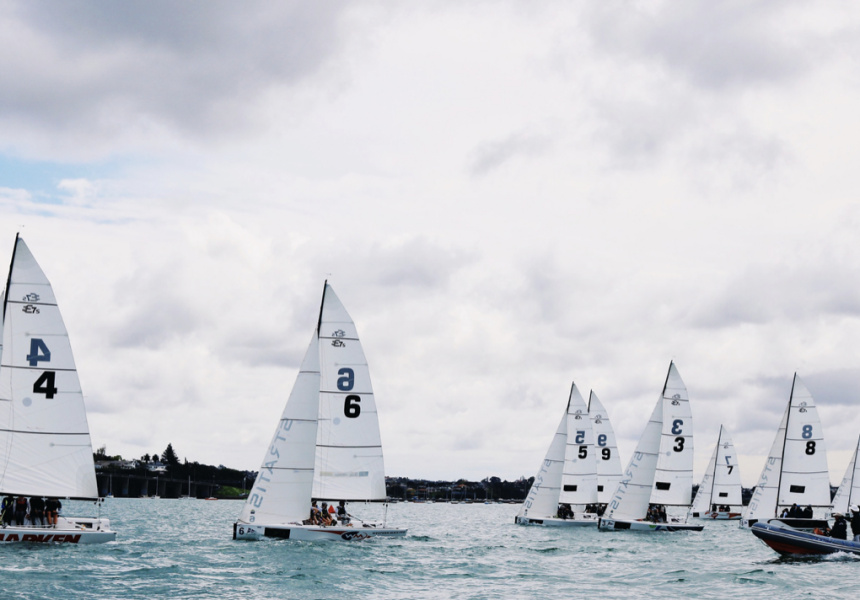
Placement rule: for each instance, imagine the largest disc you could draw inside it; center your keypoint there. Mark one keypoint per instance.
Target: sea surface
(184, 549)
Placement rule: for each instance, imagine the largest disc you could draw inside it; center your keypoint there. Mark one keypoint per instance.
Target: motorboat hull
(790, 542)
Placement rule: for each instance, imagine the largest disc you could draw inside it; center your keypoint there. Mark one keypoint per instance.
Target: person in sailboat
(325, 518)
(315, 514)
(21, 506)
(807, 512)
(37, 510)
(342, 515)
(52, 511)
(8, 508)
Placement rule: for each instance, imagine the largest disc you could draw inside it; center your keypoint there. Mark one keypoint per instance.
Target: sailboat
(608, 461)
(796, 469)
(720, 489)
(326, 445)
(188, 496)
(45, 446)
(848, 494)
(568, 474)
(661, 469)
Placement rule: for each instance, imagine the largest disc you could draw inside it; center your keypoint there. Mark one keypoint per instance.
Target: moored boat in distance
(660, 472)
(45, 446)
(326, 445)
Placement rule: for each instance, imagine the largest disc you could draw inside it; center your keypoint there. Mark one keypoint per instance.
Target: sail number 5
(45, 383)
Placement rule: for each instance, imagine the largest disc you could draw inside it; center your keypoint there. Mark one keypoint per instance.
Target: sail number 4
(45, 384)
(345, 383)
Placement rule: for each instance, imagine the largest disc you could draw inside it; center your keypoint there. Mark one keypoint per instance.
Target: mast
(851, 487)
(782, 456)
(322, 303)
(9, 278)
(714, 474)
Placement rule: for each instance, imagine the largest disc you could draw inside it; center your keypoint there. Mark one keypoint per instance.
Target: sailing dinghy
(661, 470)
(326, 445)
(568, 474)
(796, 469)
(720, 489)
(45, 447)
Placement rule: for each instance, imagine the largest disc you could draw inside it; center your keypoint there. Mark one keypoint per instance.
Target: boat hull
(313, 533)
(790, 542)
(556, 522)
(719, 516)
(68, 531)
(633, 525)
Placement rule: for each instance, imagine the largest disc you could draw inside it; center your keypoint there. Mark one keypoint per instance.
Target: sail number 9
(45, 383)
(345, 383)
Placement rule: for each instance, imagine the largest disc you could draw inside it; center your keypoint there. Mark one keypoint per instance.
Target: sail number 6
(351, 406)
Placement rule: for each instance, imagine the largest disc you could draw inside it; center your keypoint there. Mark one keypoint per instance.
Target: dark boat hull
(791, 542)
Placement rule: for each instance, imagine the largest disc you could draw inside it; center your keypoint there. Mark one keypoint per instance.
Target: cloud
(490, 155)
(108, 72)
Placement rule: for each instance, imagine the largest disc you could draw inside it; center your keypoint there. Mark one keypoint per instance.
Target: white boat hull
(556, 522)
(632, 525)
(719, 516)
(68, 531)
(314, 533)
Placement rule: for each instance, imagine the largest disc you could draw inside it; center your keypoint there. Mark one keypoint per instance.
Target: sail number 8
(45, 383)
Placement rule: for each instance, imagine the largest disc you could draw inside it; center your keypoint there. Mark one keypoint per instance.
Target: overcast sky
(506, 196)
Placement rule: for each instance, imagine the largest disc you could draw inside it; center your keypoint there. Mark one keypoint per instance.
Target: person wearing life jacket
(21, 506)
(855, 522)
(839, 530)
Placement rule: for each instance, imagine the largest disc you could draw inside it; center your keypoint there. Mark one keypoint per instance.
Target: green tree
(169, 456)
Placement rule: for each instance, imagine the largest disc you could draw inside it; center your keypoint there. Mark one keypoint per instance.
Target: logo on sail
(598, 419)
(30, 310)
(337, 344)
(31, 297)
(578, 414)
(676, 399)
(338, 333)
(803, 407)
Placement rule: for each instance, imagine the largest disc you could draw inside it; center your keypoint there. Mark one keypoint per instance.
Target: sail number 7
(45, 383)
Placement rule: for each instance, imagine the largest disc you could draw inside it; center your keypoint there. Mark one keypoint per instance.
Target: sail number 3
(345, 383)
(45, 384)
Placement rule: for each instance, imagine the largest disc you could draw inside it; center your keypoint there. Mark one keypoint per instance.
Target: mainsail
(579, 478)
(45, 447)
(349, 463)
(542, 499)
(608, 461)
(673, 479)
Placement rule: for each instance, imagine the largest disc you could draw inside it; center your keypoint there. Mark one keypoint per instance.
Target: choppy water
(183, 549)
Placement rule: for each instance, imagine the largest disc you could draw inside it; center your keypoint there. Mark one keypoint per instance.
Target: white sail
(579, 477)
(45, 447)
(542, 500)
(673, 479)
(763, 502)
(633, 494)
(721, 483)
(608, 461)
(848, 494)
(727, 475)
(702, 501)
(796, 468)
(805, 477)
(349, 464)
(282, 490)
